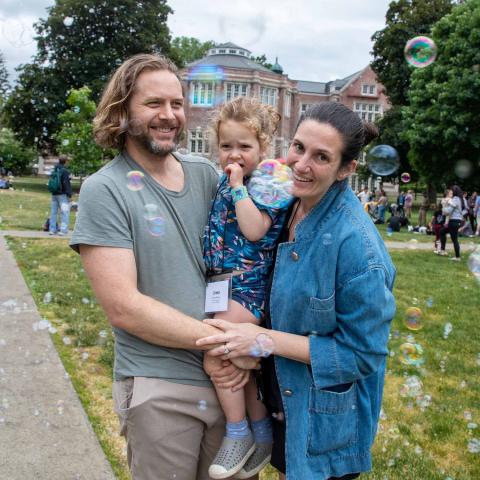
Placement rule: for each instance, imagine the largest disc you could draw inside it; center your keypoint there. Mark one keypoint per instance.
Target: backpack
(55, 182)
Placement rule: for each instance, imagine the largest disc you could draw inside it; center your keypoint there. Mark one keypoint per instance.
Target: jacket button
(295, 256)
(288, 392)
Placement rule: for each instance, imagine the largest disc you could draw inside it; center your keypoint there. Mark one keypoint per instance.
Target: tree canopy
(75, 136)
(188, 49)
(405, 19)
(441, 120)
(81, 43)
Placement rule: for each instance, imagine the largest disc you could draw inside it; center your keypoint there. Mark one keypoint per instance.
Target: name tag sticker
(216, 298)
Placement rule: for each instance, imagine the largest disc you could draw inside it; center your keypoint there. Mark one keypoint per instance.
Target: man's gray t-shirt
(118, 208)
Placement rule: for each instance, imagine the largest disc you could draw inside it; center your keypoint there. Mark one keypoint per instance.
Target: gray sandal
(259, 458)
(231, 457)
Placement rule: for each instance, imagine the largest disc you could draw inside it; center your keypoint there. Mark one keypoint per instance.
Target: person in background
(330, 309)
(436, 224)
(60, 203)
(401, 203)
(454, 211)
(364, 195)
(382, 206)
(408, 204)
(471, 210)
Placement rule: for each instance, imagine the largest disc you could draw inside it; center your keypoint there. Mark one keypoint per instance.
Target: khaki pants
(172, 430)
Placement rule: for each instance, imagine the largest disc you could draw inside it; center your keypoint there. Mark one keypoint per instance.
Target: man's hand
(230, 376)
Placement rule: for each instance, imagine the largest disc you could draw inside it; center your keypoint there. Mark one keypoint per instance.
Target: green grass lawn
(28, 206)
(423, 437)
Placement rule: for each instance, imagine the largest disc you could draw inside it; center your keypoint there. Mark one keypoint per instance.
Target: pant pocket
(332, 419)
(122, 393)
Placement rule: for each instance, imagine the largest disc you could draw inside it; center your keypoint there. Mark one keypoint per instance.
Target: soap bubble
(463, 168)
(156, 226)
(76, 109)
(247, 30)
(263, 346)
(271, 184)
(413, 387)
(474, 445)
(150, 211)
(474, 263)
(68, 21)
(420, 52)
(47, 298)
(202, 405)
(411, 354)
(383, 160)
(413, 318)
(405, 177)
(135, 180)
(447, 329)
(327, 238)
(206, 73)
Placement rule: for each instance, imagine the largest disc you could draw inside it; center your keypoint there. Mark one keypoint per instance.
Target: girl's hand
(235, 175)
(238, 339)
(246, 363)
(230, 376)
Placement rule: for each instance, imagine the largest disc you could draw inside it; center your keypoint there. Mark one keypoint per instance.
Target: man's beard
(146, 141)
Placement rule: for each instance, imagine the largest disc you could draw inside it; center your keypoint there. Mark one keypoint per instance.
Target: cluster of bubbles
(271, 184)
(263, 346)
(413, 318)
(411, 354)
(420, 52)
(383, 160)
(405, 177)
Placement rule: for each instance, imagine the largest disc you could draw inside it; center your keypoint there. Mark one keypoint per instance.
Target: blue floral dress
(226, 249)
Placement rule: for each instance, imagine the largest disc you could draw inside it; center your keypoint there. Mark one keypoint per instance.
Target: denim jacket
(333, 283)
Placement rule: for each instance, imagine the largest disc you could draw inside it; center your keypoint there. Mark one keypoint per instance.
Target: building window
(287, 104)
(232, 51)
(369, 89)
(233, 90)
(241, 52)
(268, 96)
(202, 93)
(304, 107)
(198, 141)
(222, 50)
(368, 111)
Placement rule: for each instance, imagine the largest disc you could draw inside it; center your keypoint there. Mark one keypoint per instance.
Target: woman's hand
(230, 376)
(235, 175)
(238, 340)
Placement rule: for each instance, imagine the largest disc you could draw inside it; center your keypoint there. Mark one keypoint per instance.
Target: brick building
(228, 72)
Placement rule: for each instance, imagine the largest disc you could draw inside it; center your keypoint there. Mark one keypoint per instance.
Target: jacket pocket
(321, 316)
(332, 419)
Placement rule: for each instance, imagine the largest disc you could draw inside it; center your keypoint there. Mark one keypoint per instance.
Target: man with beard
(138, 230)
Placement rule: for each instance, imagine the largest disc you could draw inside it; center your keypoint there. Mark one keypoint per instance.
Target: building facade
(228, 72)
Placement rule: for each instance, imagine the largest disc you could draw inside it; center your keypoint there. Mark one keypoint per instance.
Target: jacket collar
(322, 210)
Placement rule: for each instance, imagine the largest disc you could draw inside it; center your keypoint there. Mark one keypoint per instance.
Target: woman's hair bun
(370, 132)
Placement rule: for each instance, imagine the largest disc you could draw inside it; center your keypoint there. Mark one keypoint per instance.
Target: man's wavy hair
(111, 120)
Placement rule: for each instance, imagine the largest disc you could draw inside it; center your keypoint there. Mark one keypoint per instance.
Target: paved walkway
(44, 431)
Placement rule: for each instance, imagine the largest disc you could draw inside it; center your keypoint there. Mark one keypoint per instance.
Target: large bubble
(135, 180)
(271, 184)
(383, 160)
(413, 318)
(206, 73)
(244, 31)
(420, 52)
(463, 168)
(405, 177)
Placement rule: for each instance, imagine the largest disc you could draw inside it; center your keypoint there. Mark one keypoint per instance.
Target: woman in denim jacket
(331, 305)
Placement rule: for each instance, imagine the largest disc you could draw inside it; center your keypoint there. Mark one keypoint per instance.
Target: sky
(317, 40)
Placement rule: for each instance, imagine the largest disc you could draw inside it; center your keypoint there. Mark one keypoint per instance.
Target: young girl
(239, 243)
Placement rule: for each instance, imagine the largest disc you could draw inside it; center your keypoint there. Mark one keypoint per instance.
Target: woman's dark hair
(457, 192)
(356, 133)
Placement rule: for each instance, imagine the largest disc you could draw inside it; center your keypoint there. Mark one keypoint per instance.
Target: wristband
(239, 193)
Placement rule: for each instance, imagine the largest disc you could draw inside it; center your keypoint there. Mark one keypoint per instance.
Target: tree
(441, 119)
(262, 60)
(14, 157)
(75, 136)
(188, 49)
(81, 43)
(405, 19)
(4, 86)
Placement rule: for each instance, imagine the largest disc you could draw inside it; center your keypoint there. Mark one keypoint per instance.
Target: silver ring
(226, 350)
